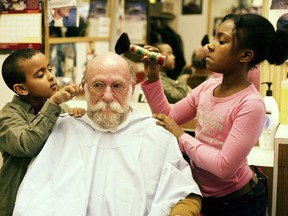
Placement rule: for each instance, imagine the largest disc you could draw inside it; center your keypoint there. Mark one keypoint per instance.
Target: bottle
(266, 140)
(284, 102)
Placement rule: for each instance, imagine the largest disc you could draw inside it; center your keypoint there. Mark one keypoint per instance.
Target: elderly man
(113, 161)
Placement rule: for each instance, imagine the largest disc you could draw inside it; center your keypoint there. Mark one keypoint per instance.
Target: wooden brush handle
(153, 56)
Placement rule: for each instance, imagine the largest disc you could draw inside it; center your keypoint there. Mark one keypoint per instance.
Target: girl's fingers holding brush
(151, 69)
(151, 48)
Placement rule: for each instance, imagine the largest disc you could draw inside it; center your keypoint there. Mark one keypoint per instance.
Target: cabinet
(280, 174)
(269, 173)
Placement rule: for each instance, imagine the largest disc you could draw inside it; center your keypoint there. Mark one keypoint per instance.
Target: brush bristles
(122, 44)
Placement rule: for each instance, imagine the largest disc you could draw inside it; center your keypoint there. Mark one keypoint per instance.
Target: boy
(29, 118)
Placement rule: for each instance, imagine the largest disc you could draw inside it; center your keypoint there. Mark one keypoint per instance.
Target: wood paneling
(282, 185)
(274, 74)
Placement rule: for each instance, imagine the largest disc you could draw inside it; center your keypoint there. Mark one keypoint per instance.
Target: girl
(230, 114)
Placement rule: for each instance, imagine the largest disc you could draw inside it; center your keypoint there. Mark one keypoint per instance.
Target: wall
(223, 7)
(192, 28)
(5, 93)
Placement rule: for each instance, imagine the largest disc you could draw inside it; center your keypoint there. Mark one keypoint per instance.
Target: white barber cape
(136, 170)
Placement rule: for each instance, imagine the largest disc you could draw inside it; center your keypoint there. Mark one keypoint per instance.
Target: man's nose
(107, 94)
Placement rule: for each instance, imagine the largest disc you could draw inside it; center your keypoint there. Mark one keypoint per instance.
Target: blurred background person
(174, 90)
(197, 70)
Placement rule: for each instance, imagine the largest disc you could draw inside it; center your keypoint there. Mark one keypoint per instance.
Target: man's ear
(20, 89)
(83, 91)
(247, 56)
(82, 84)
(133, 86)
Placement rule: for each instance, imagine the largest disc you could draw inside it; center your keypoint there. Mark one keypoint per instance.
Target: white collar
(88, 121)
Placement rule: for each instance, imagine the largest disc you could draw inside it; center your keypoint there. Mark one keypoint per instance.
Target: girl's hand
(76, 111)
(169, 124)
(151, 68)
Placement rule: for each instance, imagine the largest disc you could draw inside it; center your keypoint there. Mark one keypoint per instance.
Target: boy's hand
(76, 111)
(65, 94)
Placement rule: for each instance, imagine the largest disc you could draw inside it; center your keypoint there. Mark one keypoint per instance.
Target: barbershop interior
(189, 28)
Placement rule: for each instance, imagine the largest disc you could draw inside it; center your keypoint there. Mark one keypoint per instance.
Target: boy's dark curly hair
(11, 70)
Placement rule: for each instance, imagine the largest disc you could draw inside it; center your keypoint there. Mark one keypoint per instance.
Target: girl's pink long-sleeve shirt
(227, 129)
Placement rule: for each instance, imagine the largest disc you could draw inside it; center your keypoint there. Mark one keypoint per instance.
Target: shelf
(76, 39)
(166, 16)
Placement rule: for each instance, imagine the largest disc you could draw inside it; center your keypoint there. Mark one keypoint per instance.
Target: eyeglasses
(117, 87)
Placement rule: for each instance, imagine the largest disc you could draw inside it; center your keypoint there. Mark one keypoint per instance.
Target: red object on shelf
(15, 46)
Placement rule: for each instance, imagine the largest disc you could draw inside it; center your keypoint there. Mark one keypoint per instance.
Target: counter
(260, 157)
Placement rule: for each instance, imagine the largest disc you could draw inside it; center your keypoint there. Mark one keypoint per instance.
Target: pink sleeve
(222, 162)
(155, 96)
(181, 112)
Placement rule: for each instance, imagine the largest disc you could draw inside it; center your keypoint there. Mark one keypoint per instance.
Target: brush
(123, 45)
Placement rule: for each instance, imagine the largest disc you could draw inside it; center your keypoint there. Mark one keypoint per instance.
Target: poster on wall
(278, 13)
(98, 8)
(20, 6)
(135, 21)
(98, 24)
(74, 29)
(279, 4)
(20, 24)
(63, 13)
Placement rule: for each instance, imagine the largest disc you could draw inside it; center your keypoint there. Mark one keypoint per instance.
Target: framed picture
(135, 21)
(192, 6)
(279, 4)
(63, 13)
(278, 14)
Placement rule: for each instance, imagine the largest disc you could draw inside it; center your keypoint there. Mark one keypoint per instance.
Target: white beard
(108, 115)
